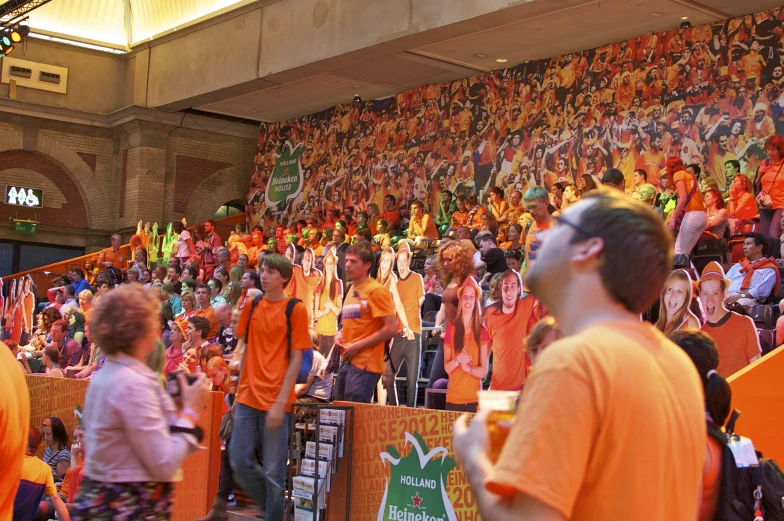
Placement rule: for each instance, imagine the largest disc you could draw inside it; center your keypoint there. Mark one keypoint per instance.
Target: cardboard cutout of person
(406, 346)
(306, 280)
(328, 301)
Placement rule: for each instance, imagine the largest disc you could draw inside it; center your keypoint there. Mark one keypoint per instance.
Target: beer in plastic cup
(502, 406)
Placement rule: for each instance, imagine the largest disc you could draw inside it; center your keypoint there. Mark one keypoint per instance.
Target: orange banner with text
(403, 464)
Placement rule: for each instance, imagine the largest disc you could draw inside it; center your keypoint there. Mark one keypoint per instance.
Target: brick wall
(71, 214)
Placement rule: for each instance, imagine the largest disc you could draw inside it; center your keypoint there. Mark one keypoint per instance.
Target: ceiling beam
(14, 10)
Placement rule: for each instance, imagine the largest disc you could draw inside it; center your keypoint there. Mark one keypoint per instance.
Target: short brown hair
(279, 263)
(200, 324)
(637, 254)
(363, 251)
(122, 317)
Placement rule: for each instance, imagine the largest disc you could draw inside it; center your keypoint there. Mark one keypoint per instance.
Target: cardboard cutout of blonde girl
(307, 280)
(328, 303)
(291, 254)
(387, 278)
(466, 351)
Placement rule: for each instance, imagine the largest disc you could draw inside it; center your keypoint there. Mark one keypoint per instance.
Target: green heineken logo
(287, 177)
(415, 489)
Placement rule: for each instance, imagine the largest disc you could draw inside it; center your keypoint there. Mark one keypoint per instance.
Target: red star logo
(286, 171)
(417, 501)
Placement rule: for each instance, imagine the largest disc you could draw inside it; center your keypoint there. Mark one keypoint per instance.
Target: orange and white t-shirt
(507, 336)
(463, 387)
(266, 359)
(411, 291)
(363, 312)
(14, 422)
(612, 425)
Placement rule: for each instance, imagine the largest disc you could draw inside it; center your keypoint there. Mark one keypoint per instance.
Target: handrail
(41, 279)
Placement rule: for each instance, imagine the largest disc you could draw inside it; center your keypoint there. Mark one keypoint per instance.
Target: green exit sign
(25, 228)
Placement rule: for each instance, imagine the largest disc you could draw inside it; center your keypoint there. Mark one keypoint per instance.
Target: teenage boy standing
(266, 388)
(368, 321)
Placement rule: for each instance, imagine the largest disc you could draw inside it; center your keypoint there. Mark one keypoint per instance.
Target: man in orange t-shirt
(368, 318)
(205, 308)
(613, 414)
(14, 422)
(266, 388)
(508, 323)
(112, 257)
(421, 227)
(391, 213)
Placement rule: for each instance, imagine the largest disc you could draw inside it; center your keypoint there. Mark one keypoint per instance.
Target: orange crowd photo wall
(59, 397)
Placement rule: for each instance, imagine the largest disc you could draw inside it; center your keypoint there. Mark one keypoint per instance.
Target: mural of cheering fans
(711, 95)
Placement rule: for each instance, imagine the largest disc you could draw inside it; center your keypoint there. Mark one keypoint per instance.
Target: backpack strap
(731, 423)
(253, 305)
(289, 310)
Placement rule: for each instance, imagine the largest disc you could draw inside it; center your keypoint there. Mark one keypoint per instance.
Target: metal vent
(50, 77)
(20, 72)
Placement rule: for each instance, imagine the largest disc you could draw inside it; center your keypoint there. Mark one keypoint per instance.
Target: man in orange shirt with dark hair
(271, 361)
(613, 414)
(368, 321)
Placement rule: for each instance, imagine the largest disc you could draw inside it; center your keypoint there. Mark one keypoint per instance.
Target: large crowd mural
(708, 94)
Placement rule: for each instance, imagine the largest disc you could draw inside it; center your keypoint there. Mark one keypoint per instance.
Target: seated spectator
(492, 256)
(226, 318)
(716, 213)
(718, 396)
(735, 335)
(741, 204)
(20, 357)
(756, 277)
(68, 295)
(75, 323)
(502, 237)
(175, 352)
(36, 477)
(489, 223)
(513, 259)
(421, 227)
(56, 454)
(52, 361)
(647, 194)
(318, 388)
(190, 361)
(445, 209)
(70, 350)
(217, 371)
(197, 331)
(391, 213)
(674, 303)
(475, 212)
(431, 280)
(78, 281)
(73, 476)
(39, 338)
(216, 287)
(544, 333)
(174, 300)
(207, 353)
(205, 308)
(613, 178)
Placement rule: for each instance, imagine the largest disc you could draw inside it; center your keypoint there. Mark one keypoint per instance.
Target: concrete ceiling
(532, 29)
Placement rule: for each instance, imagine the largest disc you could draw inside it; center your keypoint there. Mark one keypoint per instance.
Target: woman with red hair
(770, 183)
(688, 219)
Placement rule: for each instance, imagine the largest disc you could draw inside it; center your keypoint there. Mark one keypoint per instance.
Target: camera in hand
(173, 384)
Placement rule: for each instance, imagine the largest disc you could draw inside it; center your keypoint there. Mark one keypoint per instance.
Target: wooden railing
(44, 276)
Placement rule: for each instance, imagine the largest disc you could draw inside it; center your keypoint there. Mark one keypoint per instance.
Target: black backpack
(741, 488)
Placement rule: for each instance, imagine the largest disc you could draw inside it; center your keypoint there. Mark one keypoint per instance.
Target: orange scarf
(763, 263)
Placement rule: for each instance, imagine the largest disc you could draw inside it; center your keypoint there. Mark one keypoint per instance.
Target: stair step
(242, 512)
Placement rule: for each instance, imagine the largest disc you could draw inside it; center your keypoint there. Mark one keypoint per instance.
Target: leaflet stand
(300, 432)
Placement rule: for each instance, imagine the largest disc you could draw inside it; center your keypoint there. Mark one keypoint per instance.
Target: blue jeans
(266, 482)
(354, 384)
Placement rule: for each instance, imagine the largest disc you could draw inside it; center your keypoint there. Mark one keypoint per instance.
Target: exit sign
(22, 196)
(25, 227)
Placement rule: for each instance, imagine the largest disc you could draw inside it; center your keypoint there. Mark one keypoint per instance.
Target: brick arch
(222, 186)
(73, 212)
(90, 187)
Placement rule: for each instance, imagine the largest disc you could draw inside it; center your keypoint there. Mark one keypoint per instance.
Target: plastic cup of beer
(502, 406)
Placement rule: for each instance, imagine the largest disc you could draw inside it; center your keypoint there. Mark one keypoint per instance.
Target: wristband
(189, 414)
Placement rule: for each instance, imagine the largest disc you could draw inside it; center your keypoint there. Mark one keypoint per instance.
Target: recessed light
(684, 17)
(355, 86)
(656, 13)
(481, 55)
(253, 111)
(501, 60)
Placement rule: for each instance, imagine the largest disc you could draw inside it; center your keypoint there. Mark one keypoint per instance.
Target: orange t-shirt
(14, 422)
(393, 218)
(461, 218)
(108, 255)
(209, 314)
(425, 228)
(507, 337)
(365, 306)
(584, 446)
(771, 182)
(711, 480)
(411, 290)
(306, 288)
(695, 204)
(463, 387)
(267, 361)
(746, 207)
(736, 340)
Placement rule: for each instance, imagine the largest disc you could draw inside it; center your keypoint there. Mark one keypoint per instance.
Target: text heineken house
(283, 184)
(404, 515)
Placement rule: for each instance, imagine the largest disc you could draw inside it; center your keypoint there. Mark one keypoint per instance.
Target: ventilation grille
(33, 75)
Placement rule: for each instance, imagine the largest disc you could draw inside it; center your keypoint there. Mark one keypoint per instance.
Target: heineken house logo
(287, 177)
(415, 488)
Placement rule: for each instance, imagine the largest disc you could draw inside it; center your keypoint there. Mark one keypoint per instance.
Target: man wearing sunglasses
(613, 414)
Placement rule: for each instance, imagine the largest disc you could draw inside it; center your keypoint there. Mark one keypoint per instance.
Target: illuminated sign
(20, 196)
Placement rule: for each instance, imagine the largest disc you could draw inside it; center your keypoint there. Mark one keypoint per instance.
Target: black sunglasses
(574, 226)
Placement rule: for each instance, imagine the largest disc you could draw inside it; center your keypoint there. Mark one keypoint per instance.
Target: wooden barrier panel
(59, 397)
(757, 393)
(391, 473)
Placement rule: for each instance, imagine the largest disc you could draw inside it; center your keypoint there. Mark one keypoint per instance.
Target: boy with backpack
(269, 371)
